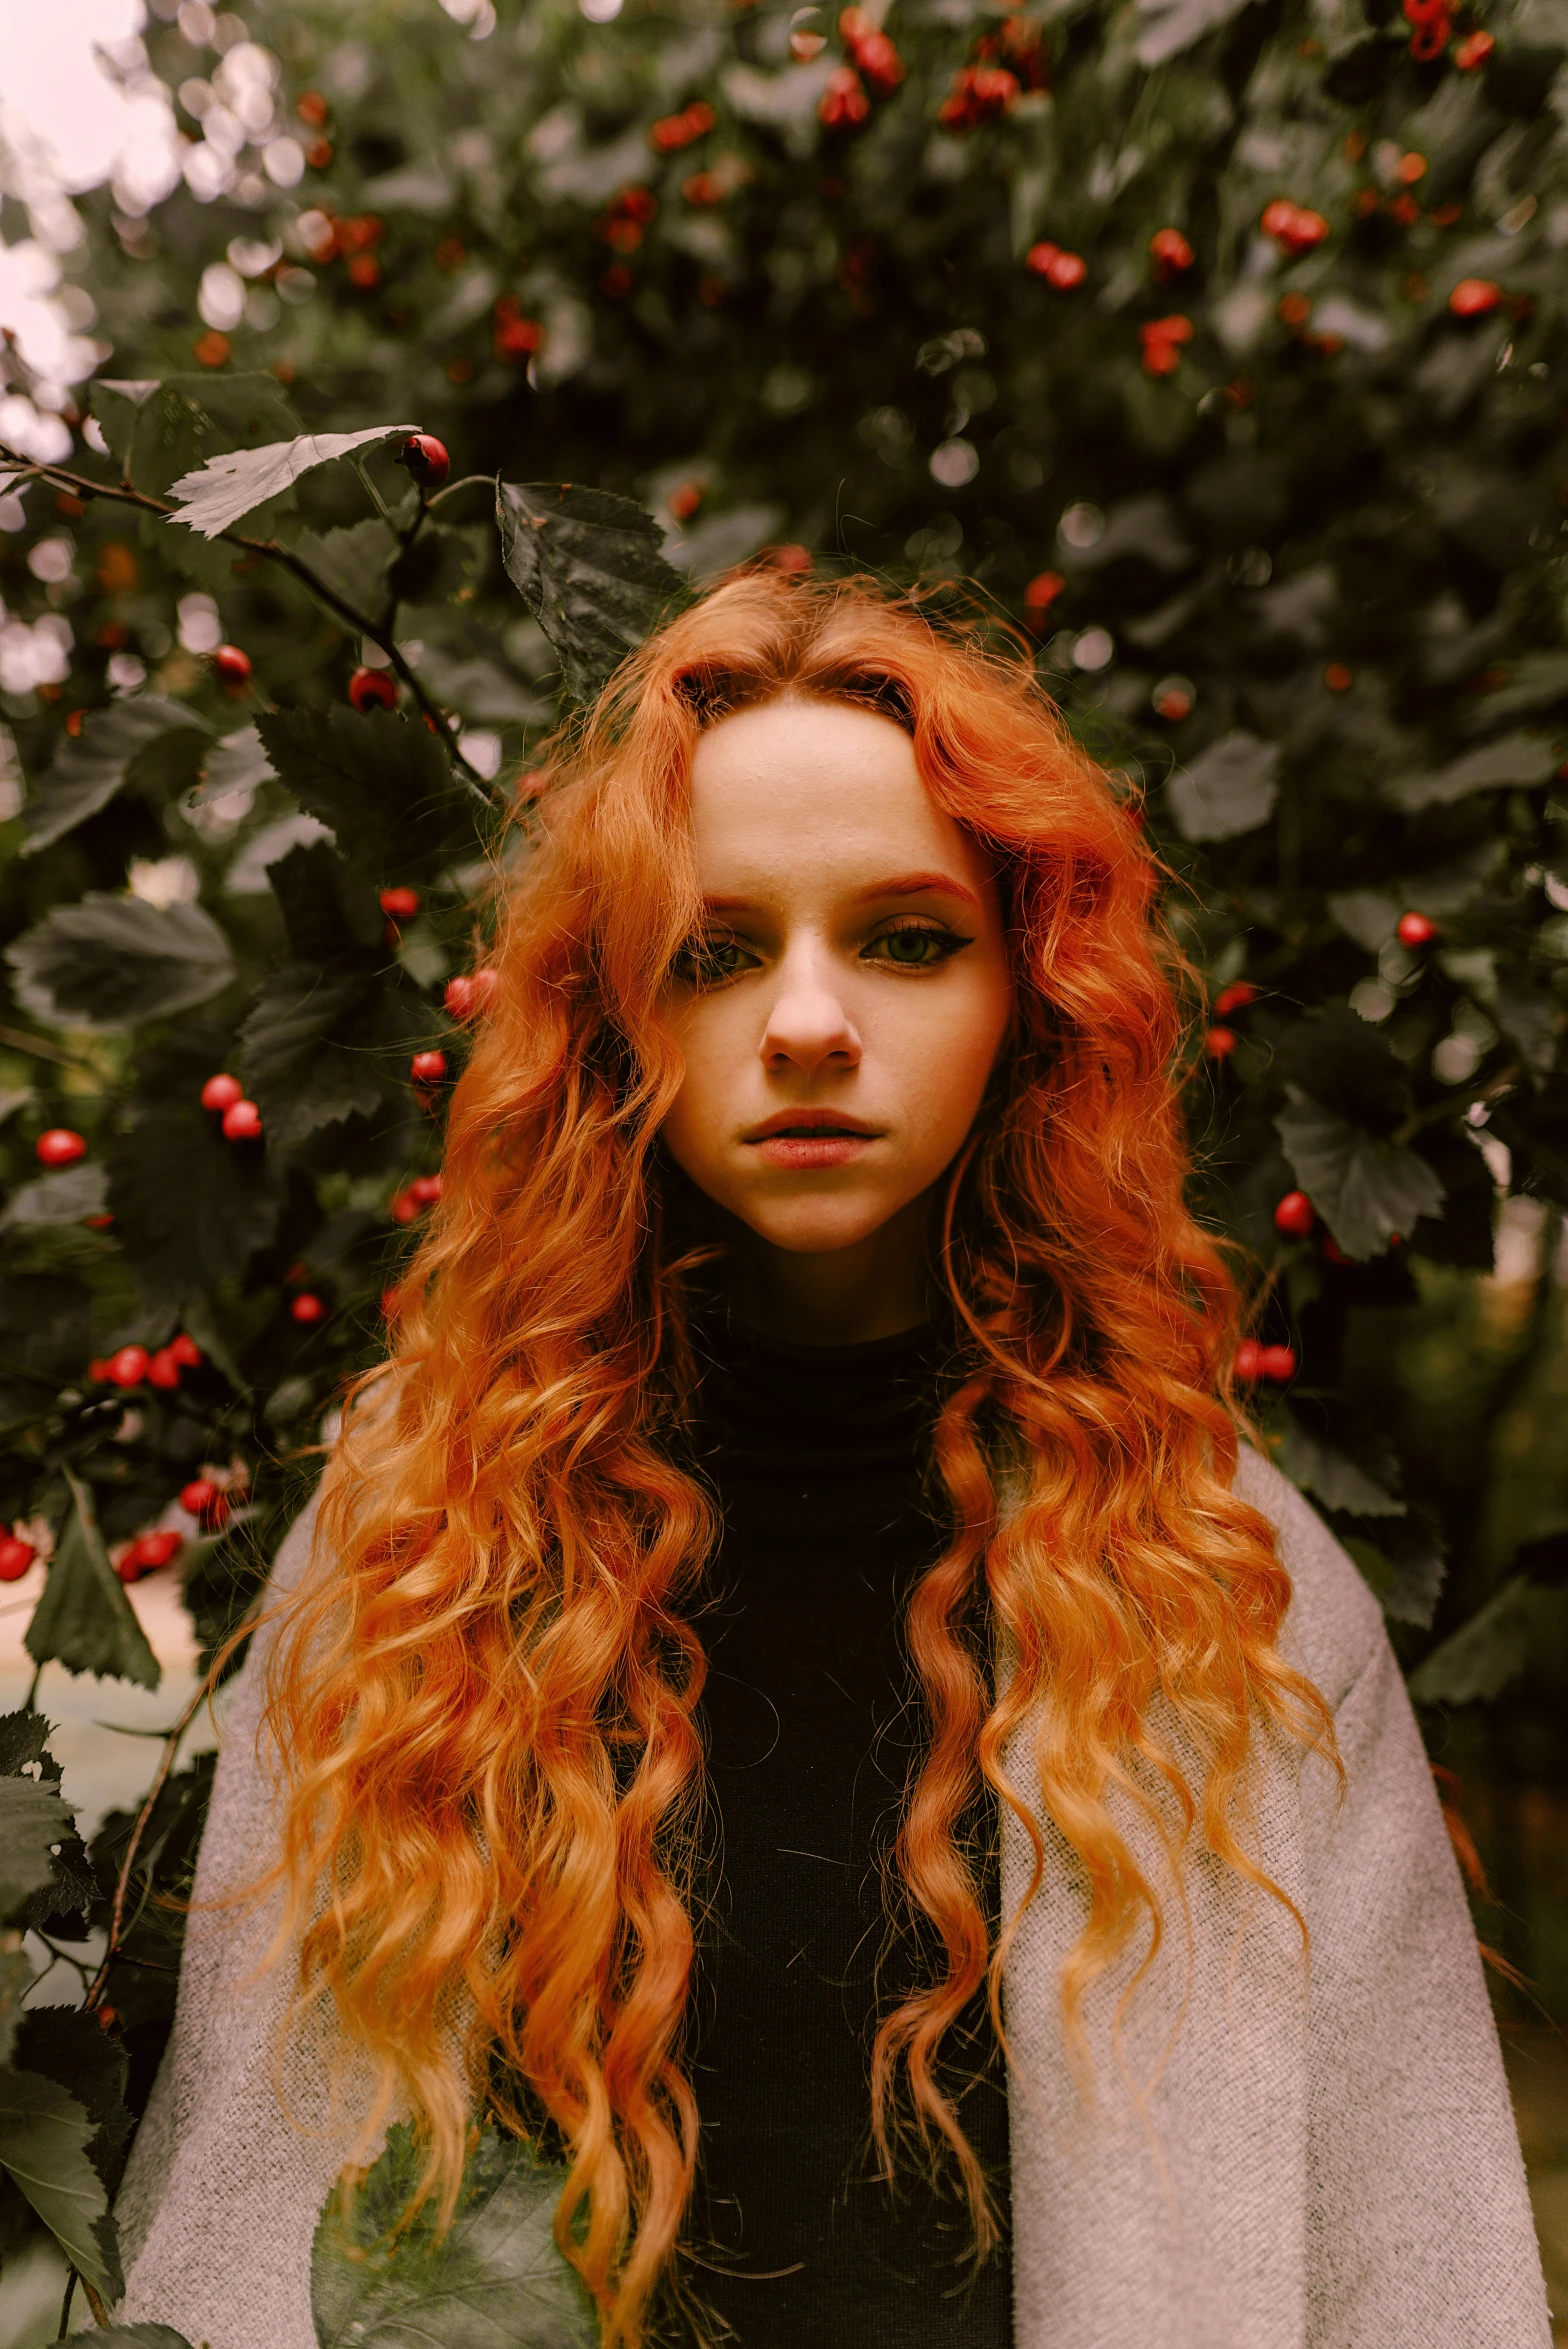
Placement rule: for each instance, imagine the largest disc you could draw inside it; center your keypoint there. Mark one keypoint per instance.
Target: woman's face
(844, 1002)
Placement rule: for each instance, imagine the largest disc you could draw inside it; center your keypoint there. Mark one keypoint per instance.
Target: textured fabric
(813, 1719)
(1329, 2165)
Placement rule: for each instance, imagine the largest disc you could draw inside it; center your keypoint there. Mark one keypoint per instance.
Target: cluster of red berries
(980, 94)
(1170, 252)
(1254, 1361)
(1219, 1042)
(225, 1095)
(674, 131)
(407, 1205)
(843, 104)
(1294, 227)
(624, 222)
(148, 1552)
(469, 995)
(425, 460)
(133, 1366)
(1433, 21)
(871, 50)
(1162, 339)
(515, 337)
(1058, 267)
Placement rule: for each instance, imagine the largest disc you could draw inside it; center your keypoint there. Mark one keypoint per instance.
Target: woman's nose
(808, 1026)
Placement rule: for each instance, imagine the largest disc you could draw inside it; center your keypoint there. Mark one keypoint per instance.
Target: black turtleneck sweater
(813, 1717)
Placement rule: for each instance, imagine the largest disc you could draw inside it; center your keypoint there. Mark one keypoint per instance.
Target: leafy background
(948, 293)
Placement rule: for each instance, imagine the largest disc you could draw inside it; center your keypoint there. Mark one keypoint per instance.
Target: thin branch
(80, 486)
(171, 1746)
(18, 1040)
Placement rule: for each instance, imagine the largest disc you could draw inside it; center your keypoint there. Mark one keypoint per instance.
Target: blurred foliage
(1219, 349)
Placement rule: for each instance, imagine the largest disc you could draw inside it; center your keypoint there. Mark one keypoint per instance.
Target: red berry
(1295, 1215)
(403, 1207)
(1249, 1359)
(425, 460)
(428, 1068)
(389, 1301)
(401, 904)
(1278, 1362)
(1473, 51)
(1472, 297)
(1236, 998)
(307, 1309)
(467, 997)
(1338, 677)
(128, 1367)
(98, 1371)
(1170, 251)
(1415, 929)
(426, 1189)
(232, 668)
(185, 1351)
(1333, 1253)
(241, 1122)
(206, 1502)
(163, 1370)
(15, 1557)
(1293, 228)
(148, 1552)
(59, 1147)
(221, 1092)
(1219, 1043)
(373, 689)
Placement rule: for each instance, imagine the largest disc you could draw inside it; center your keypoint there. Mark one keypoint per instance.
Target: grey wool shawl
(1264, 2153)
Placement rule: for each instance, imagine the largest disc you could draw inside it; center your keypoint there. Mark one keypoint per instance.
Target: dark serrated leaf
(1496, 766)
(68, 2045)
(44, 2136)
(62, 1197)
(1478, 1661)
(33, 1820)
(16, 1976)
(352, 562)
(308, 1050)
(1228, 789)
(130, 740)
(1405, 1567)
(1365, 1189)
(190, 1209)
(237, 763)
(497, 2281)
(84, 1620)
(1331, 1475)
(589, 568)
(110, 962)
(190, 417)
(381, 783)
(328, 910)
(1347, 1065)
(117, 403)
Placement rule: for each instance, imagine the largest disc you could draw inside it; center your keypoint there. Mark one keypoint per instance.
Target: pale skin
(850, 981)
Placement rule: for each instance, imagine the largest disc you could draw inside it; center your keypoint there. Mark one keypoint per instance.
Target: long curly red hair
(487, 1690)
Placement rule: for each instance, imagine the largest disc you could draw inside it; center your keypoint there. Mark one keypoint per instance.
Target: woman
(813, 1382)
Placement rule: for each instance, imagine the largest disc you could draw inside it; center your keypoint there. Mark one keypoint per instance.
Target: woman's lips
(802, 1151)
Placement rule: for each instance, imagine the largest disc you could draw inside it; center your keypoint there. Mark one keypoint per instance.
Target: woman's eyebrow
(903, 885)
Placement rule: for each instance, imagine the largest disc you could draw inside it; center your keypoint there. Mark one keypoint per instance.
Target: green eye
(918, 946)
(704, 962)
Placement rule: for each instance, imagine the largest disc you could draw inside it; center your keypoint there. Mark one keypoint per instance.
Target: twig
(171, 1746)
(80, 486)
(65, 2305)
(18, 1040)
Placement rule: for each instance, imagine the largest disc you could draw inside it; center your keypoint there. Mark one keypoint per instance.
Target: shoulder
(1335, 1625)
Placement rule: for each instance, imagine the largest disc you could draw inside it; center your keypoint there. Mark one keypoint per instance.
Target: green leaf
(1515, 760)
(1477, 1662)
(118, 404)
(352, 562)
(33, 1820)
(1321, 1468)
(328, 910)
(190, 1209)
(1347, 1064)
(237, 763)
(381, 783)
(497, 2281)
(44, 2135)
(112, 751)
(84, 1619)
(68, 2045)
(179, 422)
(110, 962)
(228, 486)
(1230, 788)
(589, 569)
(1365, 1190)
(62, 1197)
(1409, 1582)
(306, 1051)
